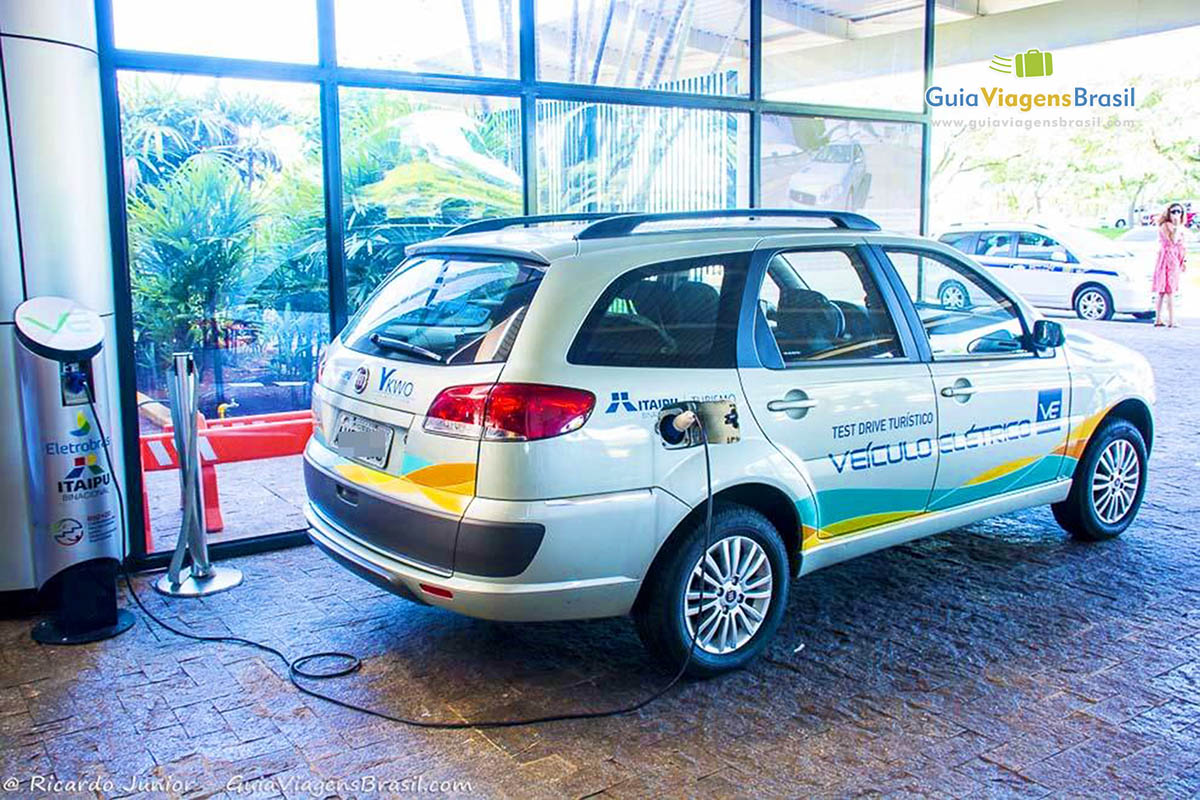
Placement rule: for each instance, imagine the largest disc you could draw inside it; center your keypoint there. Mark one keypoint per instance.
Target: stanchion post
(200, 577)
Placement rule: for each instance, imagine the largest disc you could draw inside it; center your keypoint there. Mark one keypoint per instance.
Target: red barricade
(225, 441)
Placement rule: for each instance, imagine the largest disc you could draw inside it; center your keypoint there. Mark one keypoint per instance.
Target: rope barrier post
(200, 577)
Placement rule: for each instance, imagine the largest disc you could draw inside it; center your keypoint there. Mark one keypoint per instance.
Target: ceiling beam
(807, 18)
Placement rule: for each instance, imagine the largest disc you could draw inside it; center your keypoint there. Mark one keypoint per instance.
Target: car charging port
(679, 424)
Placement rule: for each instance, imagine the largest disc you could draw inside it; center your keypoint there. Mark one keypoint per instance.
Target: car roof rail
(625, 224)
(500, 223)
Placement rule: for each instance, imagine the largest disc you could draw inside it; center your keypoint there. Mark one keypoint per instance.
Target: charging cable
(352, 663)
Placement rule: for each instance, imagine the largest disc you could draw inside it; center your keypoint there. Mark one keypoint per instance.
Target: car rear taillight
(509, 412)
(458, 411)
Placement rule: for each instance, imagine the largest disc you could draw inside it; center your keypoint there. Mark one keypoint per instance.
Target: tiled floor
(999, 660)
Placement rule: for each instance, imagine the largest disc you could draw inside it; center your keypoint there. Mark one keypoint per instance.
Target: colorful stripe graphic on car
(448, 486)
(845, 507)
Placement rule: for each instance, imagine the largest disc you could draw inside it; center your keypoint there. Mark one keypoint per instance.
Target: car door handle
(958, 391)
(791, 405)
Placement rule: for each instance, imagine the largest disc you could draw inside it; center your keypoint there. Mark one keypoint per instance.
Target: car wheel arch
(1133, 410)
(770, 501)
(1137, 413)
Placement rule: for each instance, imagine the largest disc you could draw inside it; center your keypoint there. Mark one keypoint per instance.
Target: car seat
(695, 306)
(807, 322)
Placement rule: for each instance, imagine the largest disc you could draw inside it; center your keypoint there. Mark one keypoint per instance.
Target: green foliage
(225, 195)
(192, 245)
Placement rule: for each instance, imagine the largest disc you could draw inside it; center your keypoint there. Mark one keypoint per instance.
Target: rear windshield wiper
(388, 343)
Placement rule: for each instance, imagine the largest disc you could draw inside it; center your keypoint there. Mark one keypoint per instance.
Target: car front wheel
(1093, 303)
(1109, 484)
(728, 597)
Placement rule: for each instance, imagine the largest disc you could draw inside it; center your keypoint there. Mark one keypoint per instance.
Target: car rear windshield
(443, 309)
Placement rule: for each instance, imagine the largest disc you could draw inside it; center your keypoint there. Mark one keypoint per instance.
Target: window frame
(882, 252)
(756, 344)
(736, 265)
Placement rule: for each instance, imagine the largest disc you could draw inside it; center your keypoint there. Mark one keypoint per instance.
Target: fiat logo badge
(361, 376)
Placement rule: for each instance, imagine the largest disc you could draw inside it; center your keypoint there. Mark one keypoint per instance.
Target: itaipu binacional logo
(86, 478)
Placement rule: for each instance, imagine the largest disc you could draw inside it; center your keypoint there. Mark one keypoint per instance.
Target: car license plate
(363, 440)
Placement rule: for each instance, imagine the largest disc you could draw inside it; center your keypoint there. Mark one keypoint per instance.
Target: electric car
(1060, 268)
(497, 430)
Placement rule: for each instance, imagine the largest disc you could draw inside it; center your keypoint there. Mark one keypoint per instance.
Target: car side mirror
(1060, 256)
(1048, 334)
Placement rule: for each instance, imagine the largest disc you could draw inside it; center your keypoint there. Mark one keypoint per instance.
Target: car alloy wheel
(728, 595)
(1092, 305)
(952, 297)
(1115, 481)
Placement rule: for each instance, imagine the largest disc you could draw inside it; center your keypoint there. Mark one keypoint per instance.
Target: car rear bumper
(516, 560)
(472, 595)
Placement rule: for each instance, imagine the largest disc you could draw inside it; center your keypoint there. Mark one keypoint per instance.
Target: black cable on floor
(354, 663)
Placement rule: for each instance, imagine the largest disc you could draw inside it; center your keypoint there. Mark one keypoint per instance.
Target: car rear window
(446, 310)
(674, 314)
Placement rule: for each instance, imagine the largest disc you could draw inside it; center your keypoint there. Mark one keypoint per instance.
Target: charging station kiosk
(76, 530)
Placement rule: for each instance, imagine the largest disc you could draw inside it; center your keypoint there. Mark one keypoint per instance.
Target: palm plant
(191, 242)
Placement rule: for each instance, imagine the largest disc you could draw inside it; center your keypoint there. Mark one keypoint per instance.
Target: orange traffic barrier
(224, 441)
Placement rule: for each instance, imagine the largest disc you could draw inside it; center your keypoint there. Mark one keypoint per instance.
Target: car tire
(1119, 224)
(1092, 512)
(1093, 303)
(953, 296)
(659, 616)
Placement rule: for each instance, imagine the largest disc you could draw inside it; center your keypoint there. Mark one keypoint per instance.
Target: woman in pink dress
(1172, 261)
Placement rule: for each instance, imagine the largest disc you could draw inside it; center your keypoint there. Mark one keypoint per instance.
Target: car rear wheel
(953, 296)
(729, 596)
(1109, 484)
(1093, 303)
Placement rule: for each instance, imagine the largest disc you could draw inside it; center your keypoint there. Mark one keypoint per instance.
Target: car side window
(994, 243)
(1039, 247)
(824, 305)
(959, 241)
(963, 315)
(675, 314)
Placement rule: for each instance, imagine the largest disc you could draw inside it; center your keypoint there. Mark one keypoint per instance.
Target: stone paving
(998, 660)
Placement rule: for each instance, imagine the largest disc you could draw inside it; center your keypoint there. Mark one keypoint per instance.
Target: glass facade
(473, 37)
(226, 229)
(263, 206)
(862, 53)
(221, 28)
(867, 166)
(606, 157)
(414, 166)
(687, 46)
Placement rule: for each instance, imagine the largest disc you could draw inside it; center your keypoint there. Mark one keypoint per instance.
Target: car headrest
(652, 300)
(697, 302)
(807, 321)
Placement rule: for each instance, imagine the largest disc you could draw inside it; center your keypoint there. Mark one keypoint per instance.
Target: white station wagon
(1058, 268)
(495, 426)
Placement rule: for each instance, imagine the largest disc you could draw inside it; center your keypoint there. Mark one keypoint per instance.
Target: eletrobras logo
(1032, 63)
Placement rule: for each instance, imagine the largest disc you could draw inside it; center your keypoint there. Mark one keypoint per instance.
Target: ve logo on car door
(1049, 408)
